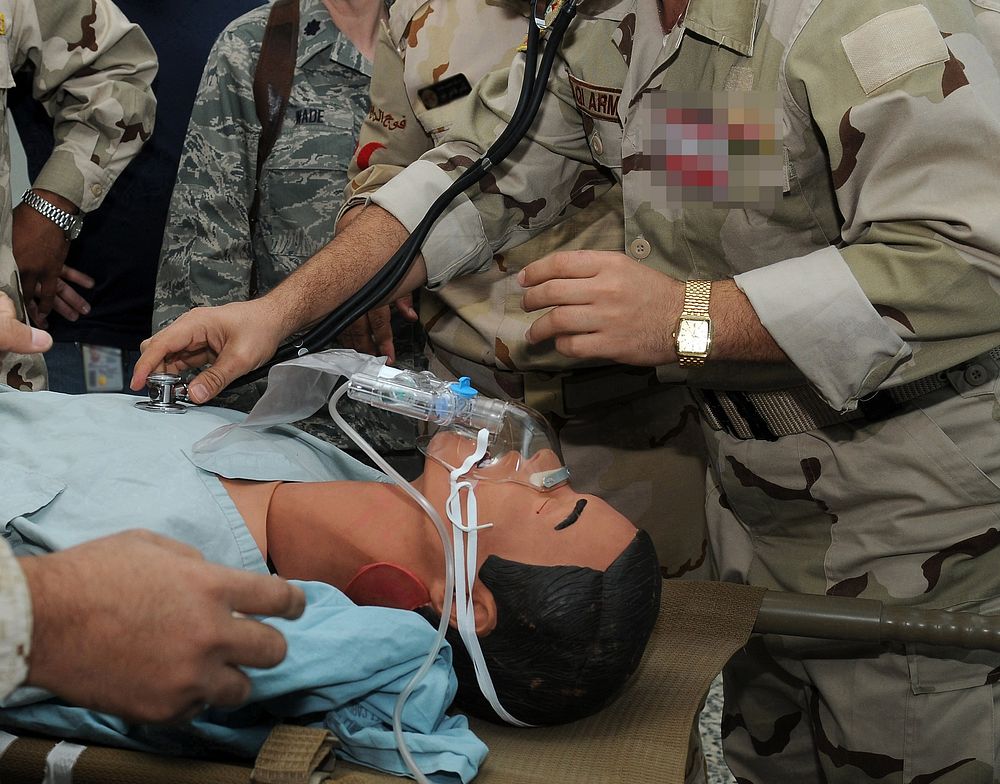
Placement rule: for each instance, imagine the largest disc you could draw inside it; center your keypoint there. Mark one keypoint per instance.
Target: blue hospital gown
(78, 467)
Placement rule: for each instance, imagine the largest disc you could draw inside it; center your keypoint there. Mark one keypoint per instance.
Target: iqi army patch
(598, 102)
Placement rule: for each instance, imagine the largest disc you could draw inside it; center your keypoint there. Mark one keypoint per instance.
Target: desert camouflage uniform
(619, 430)
(876, 268)
(207, 251)
(93, 71)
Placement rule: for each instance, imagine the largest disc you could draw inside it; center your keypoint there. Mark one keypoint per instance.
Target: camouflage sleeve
(391, 135)
(548, 176)
(93, 71)
(15, 622)
(206, 255)
(906, 101)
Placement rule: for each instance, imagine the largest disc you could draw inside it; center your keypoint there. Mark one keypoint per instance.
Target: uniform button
(97, 189)
(976, 375)
(639, 248)
(596, 144)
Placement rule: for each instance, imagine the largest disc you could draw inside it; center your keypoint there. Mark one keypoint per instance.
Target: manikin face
(375, 542)
(542, 527)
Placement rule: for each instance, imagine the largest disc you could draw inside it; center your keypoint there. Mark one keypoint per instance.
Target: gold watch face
(693, 336)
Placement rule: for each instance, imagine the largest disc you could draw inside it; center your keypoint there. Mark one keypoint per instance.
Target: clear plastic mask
(524, 450)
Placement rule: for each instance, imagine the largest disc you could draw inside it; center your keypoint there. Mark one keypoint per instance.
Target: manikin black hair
(567, 638)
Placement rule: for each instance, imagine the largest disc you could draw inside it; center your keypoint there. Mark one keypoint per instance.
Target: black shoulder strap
(272, 84)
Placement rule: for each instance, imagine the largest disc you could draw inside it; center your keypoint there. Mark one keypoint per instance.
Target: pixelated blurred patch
(892, 45)
(710, 148)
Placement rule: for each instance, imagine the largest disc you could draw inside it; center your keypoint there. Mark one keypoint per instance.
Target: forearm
(738, 334)
(341, 268)
(347, 216)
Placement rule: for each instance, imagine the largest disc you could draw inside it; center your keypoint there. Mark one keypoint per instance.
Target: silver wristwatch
(70, 224)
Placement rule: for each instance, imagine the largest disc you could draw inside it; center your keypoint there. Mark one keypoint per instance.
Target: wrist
(57, 209)
(280, 314)
(52, 584)
(737, 334)
(694, 334)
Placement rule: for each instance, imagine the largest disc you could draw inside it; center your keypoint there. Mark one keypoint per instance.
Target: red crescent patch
(365, 154)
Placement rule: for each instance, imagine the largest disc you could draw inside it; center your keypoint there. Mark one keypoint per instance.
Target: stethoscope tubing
(383, 282)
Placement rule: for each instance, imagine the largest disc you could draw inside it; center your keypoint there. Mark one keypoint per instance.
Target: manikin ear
(483, 604)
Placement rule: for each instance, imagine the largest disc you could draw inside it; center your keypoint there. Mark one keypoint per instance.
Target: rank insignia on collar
(552, 10)
(3, 24)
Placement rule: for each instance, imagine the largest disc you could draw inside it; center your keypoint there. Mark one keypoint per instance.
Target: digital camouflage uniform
(207, 251)
(93, 71)
(876, 268)
(620, 432)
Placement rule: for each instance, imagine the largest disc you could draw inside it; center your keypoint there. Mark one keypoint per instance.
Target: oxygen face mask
(522, 447)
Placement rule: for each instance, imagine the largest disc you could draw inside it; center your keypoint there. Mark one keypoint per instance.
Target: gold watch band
(697, 295)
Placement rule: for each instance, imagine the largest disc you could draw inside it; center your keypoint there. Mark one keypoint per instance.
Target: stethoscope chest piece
(165, 389)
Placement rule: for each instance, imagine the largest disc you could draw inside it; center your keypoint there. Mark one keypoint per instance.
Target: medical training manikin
(566, 590)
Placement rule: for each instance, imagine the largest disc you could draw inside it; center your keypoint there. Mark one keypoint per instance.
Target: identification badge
(102, 368)
(445, 91)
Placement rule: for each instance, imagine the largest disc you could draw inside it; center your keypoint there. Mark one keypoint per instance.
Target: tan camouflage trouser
(907, 511)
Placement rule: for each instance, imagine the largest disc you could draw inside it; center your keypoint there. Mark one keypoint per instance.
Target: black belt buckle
(878, 407)
(583, 389)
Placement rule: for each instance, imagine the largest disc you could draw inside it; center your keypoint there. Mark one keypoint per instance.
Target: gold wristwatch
(694, 329)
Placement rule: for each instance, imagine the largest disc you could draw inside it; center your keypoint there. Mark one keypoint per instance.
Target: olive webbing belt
(784, 412)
